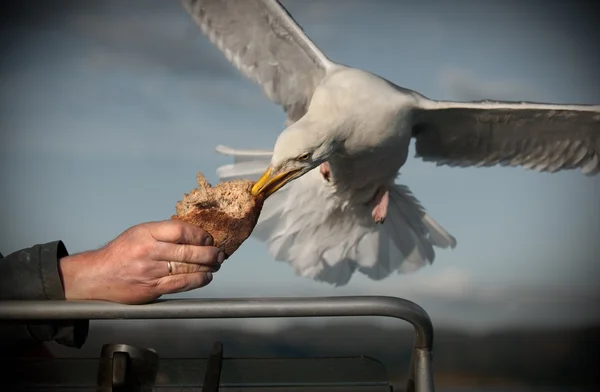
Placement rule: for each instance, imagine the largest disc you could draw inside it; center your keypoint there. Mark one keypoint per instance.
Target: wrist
(73, 271)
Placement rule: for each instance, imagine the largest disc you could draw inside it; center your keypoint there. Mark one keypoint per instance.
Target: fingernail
(208, 241)
(209, 276)
(221, 257)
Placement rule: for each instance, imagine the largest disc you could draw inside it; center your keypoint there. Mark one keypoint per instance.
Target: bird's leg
(382, 198)
(325, 171)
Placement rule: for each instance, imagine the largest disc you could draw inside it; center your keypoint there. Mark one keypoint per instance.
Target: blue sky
(109, 109)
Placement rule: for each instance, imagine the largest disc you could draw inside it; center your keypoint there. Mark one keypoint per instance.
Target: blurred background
(108, 109)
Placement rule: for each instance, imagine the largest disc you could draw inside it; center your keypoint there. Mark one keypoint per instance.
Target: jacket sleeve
(32, 274)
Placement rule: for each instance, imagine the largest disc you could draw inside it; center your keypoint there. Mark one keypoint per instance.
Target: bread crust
(228, 211)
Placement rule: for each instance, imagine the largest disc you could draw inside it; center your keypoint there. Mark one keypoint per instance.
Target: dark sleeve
(32, 274)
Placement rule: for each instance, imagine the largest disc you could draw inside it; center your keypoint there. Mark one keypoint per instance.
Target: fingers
(179, 232)
(187, 268)
(188, 253)
(185, 282)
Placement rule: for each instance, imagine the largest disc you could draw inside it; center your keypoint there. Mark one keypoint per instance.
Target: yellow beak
(269, 183)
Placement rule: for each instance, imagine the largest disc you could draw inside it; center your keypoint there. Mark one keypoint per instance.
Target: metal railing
(420, 378)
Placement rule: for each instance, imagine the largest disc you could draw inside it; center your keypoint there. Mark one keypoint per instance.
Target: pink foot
(382, 198)
(325, 172)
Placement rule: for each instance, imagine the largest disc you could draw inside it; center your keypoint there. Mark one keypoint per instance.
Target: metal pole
(423, 369)
(246, 308)
(229, 308)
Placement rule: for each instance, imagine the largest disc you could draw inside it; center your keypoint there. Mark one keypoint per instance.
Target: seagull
(333, 206)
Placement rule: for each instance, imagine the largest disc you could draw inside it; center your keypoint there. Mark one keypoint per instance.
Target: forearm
(34, 274)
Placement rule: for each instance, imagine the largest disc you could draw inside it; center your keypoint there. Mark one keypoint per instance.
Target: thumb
(179, 232)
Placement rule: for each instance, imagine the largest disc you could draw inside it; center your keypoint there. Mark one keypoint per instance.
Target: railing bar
(229, 308)
(420, 377)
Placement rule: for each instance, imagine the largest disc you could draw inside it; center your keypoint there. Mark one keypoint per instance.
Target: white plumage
(356, 128)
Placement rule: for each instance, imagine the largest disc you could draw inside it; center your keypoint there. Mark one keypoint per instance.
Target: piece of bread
(228, 211)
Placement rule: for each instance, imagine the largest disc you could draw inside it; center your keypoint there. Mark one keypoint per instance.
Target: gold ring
(170, 268)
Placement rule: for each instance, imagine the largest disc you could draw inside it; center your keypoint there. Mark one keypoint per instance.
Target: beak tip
(258, 188)
(270, 182)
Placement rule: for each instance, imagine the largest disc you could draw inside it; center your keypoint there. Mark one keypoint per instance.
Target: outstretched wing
(265, 43)
(543, 137)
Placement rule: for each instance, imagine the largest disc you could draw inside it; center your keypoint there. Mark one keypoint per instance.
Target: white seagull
(355, 128)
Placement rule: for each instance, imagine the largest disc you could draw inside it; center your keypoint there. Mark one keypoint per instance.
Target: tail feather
(247, 164)
(243, 155)
(245, 170)
(307, 226)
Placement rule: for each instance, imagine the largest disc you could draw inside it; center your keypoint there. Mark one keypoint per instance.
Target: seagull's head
(297, 151)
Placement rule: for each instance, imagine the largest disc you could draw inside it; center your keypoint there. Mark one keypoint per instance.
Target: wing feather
(263, 41)
(542, 137)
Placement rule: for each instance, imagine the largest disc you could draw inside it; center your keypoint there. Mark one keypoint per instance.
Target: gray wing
(266, 45)
(543, 137)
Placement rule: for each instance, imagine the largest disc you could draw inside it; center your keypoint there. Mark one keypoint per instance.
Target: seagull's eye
(303, 157)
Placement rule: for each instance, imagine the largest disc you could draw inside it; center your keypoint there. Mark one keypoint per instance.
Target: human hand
(133, 267)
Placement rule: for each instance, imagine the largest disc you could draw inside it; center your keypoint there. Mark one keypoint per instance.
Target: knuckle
(184, 253)
(183, 268)
(139, 268)
(188, 268)
(142, 249)
(134, 232)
